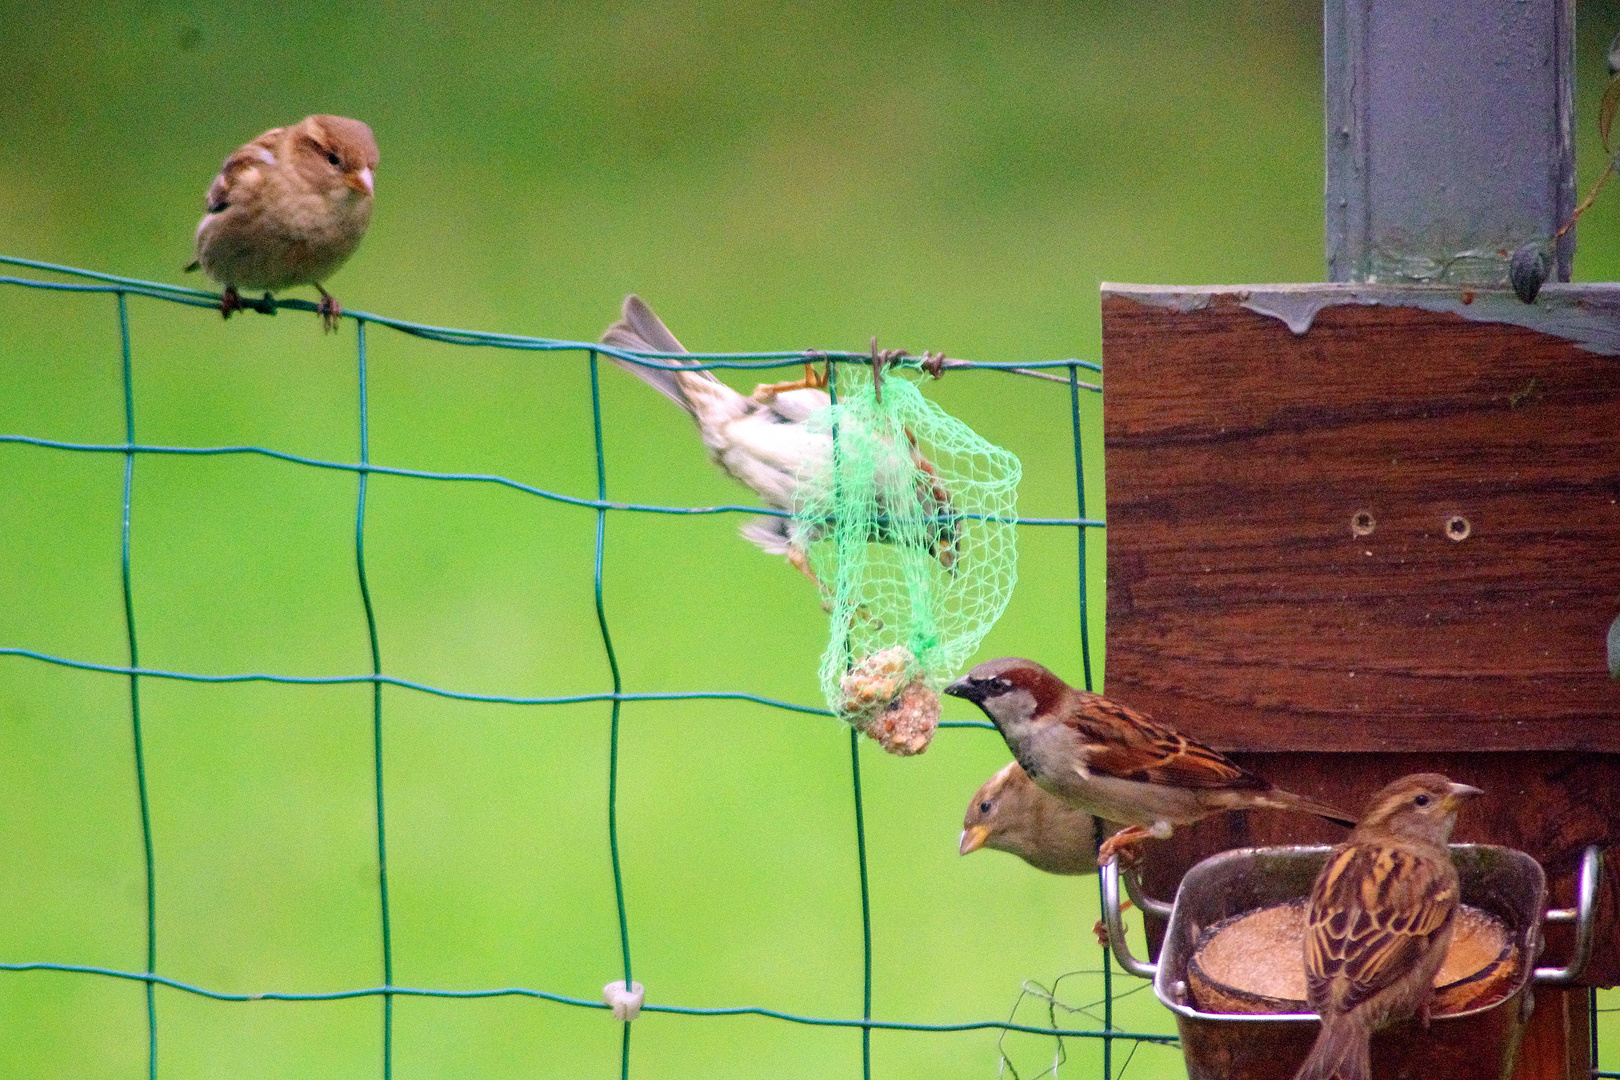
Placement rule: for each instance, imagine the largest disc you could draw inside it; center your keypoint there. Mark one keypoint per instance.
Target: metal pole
(1448, 137)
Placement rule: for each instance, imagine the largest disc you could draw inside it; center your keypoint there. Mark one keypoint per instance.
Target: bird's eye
(1421, 800)
(984, 808)
(333, 158)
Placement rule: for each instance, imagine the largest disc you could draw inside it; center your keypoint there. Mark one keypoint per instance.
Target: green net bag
(909, 527)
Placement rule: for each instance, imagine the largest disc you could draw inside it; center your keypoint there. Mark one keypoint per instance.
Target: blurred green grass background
(768, 176)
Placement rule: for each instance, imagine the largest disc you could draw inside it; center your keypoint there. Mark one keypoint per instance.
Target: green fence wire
(121, 289)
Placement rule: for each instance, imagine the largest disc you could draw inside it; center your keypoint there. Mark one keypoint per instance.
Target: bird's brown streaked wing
(255, 155)
(1374, 912)
(1130, 745)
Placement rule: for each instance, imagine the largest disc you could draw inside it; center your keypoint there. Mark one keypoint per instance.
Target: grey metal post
(1448, 137)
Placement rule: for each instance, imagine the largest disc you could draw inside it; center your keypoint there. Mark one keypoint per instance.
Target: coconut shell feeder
(1237, 965)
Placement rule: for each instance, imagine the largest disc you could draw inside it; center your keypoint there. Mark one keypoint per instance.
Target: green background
(767, 176)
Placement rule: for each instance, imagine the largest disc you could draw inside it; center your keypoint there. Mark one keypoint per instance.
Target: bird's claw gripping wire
(766, 391)
(330, 310)
(230, 301)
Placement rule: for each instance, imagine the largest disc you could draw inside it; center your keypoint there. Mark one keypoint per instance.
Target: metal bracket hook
(1116, 926)
(1583, 915)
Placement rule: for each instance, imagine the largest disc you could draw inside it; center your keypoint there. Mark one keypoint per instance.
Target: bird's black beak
(964, 688)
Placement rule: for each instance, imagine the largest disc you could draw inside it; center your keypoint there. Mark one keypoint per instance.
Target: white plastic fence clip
(626, 1004)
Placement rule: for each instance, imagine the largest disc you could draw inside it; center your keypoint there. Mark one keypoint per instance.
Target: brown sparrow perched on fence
(1380, 921)
(288, 209)
(1112, 761)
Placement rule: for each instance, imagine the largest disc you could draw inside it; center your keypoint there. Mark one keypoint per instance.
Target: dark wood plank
(1556, 1044)
(1243, 608)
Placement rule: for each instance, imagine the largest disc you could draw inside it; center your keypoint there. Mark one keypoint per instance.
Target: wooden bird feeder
(1372, 527)
(1254, 962)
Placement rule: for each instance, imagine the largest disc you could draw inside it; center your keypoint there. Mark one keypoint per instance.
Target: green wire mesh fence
(1066, 372)
(121, 289)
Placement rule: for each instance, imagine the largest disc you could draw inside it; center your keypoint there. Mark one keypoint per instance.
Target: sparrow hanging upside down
(764, 439)
(1112, 761)
(288, 209)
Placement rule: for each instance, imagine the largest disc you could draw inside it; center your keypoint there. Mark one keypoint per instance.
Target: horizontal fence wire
(487, 478)
(589, 1003)
(121, 288)
(755, 361)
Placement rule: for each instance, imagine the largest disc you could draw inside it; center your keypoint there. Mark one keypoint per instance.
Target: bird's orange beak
(973, 838)
(361, 181)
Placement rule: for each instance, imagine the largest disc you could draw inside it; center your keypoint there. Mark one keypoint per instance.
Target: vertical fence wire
(135, 689)
(1090, 684)
(866, 904)
(388, 991)
(860, 813)
(1080, 529)
(618, 688)
(376, 711)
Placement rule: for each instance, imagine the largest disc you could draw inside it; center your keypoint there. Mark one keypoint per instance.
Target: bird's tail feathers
(1287, 800)
(1340, 1052)
(639, 320)
(639, 330)
(770, 533)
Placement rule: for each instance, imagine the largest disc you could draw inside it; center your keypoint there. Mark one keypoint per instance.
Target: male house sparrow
(1380, 921)
(763, 439)
(288, 209)
(1113, 761)
(1009, 813)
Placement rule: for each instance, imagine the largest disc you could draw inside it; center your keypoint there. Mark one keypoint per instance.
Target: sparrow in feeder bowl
(1254, 963)
(1380, 921)
(1113, 762)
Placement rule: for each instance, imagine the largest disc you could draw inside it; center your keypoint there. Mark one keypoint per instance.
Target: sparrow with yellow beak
(1009, 813)
(288, 209)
